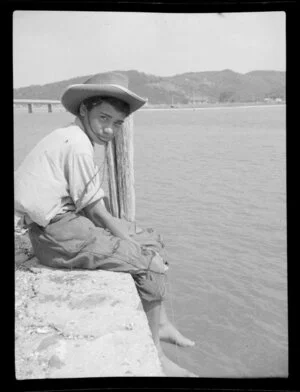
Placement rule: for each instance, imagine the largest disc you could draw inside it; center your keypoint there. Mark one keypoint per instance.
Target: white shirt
(58, 175)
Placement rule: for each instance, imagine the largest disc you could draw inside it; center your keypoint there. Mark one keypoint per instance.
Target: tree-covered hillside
(192, 87)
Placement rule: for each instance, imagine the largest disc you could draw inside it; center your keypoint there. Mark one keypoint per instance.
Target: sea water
(213, 183)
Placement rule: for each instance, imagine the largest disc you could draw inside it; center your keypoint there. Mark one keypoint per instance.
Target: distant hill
(197, 87)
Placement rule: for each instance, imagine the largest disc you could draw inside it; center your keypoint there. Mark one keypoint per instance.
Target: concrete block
(80, 323)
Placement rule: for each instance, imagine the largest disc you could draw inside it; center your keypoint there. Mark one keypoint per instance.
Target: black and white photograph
(150, 211)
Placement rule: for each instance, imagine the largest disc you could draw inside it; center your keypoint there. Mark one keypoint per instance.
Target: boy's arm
(99, 215)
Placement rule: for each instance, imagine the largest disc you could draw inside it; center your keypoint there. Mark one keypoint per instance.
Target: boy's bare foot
(168, 333)
(170, 368)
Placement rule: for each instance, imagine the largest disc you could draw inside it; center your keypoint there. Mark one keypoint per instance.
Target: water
(213, 182)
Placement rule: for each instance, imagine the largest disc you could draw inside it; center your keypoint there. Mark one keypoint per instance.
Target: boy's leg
(169, 333)
(153, 313)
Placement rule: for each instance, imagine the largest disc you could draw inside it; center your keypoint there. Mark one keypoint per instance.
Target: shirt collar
(78, 122)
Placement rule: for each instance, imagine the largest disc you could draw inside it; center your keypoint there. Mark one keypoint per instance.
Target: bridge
(31, 102)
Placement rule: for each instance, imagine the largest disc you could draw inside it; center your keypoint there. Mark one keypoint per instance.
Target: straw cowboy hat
(112, 84)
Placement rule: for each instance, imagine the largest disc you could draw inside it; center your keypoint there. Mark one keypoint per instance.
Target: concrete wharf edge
(78, 323)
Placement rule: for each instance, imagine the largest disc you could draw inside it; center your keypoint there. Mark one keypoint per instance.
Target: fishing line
(171, 304)
(102, 168)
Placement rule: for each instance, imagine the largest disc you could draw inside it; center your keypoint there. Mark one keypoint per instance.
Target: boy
(59, 196)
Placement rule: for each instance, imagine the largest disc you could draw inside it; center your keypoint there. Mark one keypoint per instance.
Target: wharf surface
(78, 323)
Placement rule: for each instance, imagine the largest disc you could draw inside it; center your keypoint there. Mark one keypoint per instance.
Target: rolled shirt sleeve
(84, 180)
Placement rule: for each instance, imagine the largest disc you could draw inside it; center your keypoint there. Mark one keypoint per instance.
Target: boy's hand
(122, 224)
(99, 215)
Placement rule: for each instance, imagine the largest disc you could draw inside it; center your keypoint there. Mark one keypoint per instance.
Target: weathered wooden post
(112, 175)
(120, 155)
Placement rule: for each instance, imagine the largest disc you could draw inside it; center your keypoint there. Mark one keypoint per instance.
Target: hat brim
(75, 94)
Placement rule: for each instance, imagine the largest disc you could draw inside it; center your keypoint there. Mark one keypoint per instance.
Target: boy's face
(102, 122)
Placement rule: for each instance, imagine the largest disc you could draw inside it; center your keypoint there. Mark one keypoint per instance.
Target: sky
(50, 46)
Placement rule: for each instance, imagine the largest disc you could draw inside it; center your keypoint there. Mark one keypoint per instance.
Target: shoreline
(58, 108)
(216, 106)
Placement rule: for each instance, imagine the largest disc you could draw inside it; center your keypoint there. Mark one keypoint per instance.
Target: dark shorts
(74, 242)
